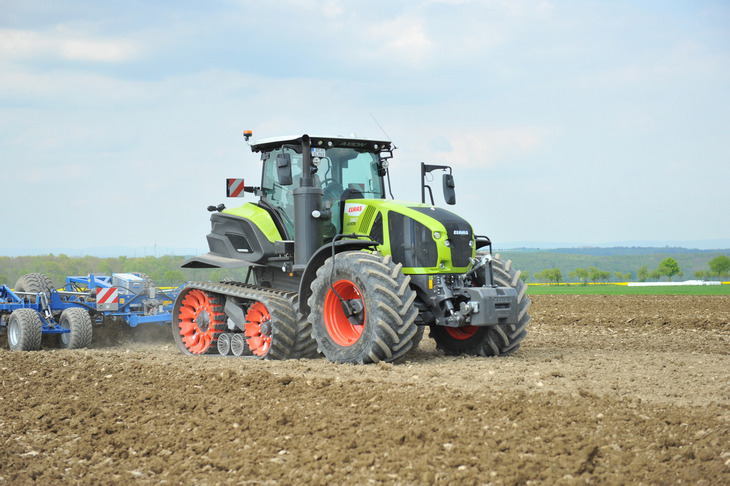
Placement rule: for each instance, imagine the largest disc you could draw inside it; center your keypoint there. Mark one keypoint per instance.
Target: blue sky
(587, 122)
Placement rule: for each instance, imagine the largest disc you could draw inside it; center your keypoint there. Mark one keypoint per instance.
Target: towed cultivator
(336, 268)
(36, 308)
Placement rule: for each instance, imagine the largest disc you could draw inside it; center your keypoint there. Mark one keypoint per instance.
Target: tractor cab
(343, 168)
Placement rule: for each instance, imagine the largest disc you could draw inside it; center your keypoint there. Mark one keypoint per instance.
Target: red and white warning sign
(234, 187)
(107, 298)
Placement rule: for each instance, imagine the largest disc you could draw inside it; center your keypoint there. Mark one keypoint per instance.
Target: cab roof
(357, 143)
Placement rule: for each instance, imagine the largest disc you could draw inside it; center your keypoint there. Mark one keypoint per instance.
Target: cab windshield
(342, 173)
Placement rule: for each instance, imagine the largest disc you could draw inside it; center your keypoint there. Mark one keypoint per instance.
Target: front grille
(460, 249)
(459, 232)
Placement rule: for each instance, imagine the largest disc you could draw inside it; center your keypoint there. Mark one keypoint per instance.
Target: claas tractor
(334, 267)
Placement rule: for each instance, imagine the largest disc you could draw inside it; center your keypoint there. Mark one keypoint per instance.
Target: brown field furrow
(605, 390)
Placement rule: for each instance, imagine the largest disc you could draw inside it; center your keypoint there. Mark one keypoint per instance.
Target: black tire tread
(30, 329)
(79, 322)
(34, 282)
(390, 312)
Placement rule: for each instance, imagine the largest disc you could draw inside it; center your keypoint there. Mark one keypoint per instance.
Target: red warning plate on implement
(234, 187)
(107, 298)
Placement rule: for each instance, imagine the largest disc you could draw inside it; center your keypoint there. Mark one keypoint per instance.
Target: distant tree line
(623, 260)
(166, 270)
(719, 268)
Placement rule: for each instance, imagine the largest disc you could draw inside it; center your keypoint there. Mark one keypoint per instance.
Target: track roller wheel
(197, 321)
(25, 329)
(380, 325)
(258, 329)
(270, 330)
(238, 345)
(224, 343)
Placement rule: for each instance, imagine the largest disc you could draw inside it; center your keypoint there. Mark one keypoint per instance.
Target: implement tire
(25, 329)
(499, 340)
(384, 328)
(78, 321)
(34, 282)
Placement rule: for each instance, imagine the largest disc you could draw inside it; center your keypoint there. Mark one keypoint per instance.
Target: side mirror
(283, 169)
(449, 191)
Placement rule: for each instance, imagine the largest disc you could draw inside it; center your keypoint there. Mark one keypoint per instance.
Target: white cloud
(405, 39)
(23, 44)
(489, 147)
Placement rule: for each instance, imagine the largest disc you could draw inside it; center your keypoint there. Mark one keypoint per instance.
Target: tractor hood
(422, 237)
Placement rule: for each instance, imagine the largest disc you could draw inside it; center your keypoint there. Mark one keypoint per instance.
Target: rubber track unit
(499, 340)
(291, 332)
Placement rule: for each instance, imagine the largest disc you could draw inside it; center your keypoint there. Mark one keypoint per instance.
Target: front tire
(499, 340)
(382, 328)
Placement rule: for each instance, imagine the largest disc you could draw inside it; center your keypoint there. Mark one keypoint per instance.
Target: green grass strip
(612, 289)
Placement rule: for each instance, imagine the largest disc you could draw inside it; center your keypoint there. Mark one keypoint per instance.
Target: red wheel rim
(258, 329)
(198, 321)
(462, 332)
(339, 327)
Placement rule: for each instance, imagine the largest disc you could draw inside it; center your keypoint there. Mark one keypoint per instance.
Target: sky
(575, 122)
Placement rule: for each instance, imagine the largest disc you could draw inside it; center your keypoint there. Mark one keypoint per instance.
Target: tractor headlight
(436, 235)
(447, 243)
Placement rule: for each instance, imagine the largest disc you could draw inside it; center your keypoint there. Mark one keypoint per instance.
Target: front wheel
(362, 309)
(499, 340)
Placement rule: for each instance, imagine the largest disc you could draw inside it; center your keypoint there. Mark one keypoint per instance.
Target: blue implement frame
(149, 305)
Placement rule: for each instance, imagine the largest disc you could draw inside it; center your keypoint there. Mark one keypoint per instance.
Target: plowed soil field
(604, 390)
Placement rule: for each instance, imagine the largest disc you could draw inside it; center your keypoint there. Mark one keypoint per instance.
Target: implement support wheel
(25, 329)
(78, 321)
(258, 329)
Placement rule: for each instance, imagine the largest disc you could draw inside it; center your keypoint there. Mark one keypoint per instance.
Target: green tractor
(337, 269)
